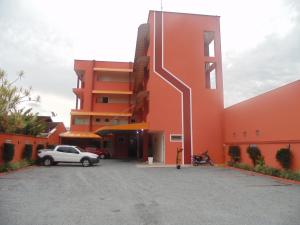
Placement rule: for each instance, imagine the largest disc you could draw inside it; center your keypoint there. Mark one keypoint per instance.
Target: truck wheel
(47, 161)
(102, 156)
(86, 162)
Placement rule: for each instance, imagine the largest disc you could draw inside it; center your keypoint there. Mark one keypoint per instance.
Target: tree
(14, 118)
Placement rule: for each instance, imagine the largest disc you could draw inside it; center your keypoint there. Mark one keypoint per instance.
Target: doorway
(158, 144)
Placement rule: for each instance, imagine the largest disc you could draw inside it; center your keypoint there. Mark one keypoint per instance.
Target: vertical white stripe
(182, 111)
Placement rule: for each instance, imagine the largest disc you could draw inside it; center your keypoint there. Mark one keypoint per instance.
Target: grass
(11, 166)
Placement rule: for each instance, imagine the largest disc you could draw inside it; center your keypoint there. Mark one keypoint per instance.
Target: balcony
(109, 114)
(112, 92)
(118, 70)
(78, 92)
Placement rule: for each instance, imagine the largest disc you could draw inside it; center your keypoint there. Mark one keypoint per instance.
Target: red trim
(185, 90)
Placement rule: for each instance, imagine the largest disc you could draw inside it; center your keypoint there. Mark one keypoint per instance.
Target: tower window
(210, 76)
(209, 43)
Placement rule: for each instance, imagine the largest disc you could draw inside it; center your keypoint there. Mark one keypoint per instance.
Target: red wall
(270, 120)
(20, 140)
(54, 137)
(183, 56)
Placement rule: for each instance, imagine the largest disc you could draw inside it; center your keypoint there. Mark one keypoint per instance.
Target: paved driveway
(117, 192)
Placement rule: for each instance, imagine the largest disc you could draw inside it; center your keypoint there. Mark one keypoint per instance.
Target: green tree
(14, 118)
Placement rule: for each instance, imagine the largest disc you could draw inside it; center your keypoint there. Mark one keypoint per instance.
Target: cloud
(272, 63)
(260, 50)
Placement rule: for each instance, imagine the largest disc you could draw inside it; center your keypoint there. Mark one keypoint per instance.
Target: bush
(254, 154)
(284, 156)
(40, 146)
(27, 154)
(16, 165)
(235, 153)
(8, 152)
(3, 168)
(243, 166)
(259, 168)
(288, 174)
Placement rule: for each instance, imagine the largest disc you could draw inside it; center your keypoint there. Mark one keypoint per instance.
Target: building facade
(170, 98)
(173, 90)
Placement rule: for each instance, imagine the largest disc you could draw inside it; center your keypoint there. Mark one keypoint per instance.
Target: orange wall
(20, 140)
(54, 137)
(183, 56)
(111, 86)
(275, 115)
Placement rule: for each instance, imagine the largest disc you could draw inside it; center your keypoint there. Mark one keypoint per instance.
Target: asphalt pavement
(120, 193)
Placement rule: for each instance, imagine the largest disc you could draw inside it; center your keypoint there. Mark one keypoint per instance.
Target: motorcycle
(202, 159)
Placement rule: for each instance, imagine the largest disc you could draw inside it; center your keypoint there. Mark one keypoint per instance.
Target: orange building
(171, 97)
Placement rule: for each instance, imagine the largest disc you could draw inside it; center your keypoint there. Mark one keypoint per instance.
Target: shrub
(259, 168)
(27, 154)
(230, 163)
(284, 156)
(3, 168)
(272, 171)
(243, 166)
(235, 153)
(40, 146)
(254, 154)
(14, 165)
(8, 152)
(288, 174)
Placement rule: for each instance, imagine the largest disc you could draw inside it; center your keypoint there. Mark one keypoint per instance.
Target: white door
(72, 155)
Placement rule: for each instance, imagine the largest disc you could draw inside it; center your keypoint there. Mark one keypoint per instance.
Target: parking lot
(119, 192)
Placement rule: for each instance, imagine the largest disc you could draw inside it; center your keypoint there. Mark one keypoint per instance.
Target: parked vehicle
(103, 154)
(202, 159)
(67, 154)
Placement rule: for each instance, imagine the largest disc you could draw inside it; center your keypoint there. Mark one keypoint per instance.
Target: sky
(260, 42)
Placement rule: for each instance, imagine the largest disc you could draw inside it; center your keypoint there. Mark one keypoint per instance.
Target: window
(106, 120)
(115, 121)
(62, 149)
(67, 150)
(175, 137)
(81, 121)
(73, 151)
(102, 100)
(210, 75)
(97, 120)
(209, 43)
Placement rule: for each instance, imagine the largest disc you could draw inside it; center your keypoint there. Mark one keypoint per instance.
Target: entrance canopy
(79, 134)
(124, 127)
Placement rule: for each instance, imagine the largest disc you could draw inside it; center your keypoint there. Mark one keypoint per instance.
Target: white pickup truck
(67, 154)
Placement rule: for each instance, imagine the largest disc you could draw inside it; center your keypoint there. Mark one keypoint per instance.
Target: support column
(145, 136)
